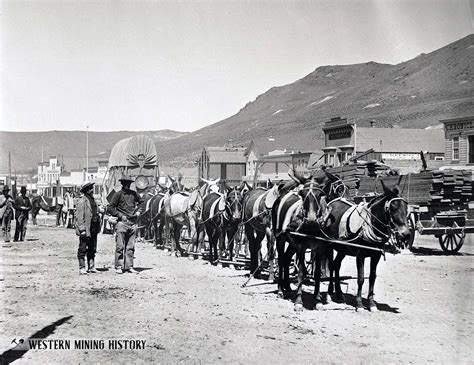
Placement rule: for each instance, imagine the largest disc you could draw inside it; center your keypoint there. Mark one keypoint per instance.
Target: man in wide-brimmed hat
(23, 207)
(124, 205)
(87, 228)
(6, 212)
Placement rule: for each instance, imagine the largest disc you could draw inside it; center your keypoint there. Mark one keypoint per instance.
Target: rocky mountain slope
(416, 94)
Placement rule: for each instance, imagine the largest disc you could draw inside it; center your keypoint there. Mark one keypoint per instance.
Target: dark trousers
(20, 228)
(124, 245)
(87, 247)
(7, 225)
(59, 215)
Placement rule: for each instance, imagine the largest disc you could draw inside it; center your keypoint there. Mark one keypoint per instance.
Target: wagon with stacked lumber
(441, 202)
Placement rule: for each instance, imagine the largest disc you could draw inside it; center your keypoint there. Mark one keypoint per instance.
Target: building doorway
(471, 149)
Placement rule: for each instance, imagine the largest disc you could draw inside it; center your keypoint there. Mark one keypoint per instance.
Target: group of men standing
(124, 205)
(17, 209)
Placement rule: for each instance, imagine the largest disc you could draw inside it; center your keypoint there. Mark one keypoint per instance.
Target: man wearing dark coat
(6, 209)
(124, 205)
(87, 228)
(23, 207)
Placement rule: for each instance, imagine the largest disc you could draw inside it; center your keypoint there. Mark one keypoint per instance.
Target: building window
(331, 159)
(455, 148)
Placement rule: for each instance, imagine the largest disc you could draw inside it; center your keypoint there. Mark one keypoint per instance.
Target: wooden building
(226, 163)
(398, 147)
(276, 164)
(459, 141)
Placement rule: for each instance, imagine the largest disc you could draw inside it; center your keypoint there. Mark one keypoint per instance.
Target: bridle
(235, 203)
(310, 186)
(387, 211)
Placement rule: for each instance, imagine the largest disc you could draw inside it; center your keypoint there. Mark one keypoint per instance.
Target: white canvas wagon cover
(136, 151)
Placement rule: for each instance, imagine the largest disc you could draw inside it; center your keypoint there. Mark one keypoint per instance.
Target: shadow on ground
(22, 348)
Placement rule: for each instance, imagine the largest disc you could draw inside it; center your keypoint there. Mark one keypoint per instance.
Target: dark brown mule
(39, 202)
(295, 221)
(385, 215)
(221, 215)
(257, 207)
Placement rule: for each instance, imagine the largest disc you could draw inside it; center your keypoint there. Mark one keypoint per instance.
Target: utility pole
(9, 169)
(87, 153)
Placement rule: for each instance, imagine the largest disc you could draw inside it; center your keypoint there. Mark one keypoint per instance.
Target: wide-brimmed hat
(126, 178)
(86, 186)
(6, 188)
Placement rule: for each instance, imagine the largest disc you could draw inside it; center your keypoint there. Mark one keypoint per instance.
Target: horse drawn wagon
(441, 204)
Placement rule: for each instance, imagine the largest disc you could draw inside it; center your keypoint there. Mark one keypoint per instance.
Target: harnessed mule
(39, 202)
(178, 211)
(152, 218)
(297, 212)
(378, 220)
(144, 227)
(221, 215)
(257, 206)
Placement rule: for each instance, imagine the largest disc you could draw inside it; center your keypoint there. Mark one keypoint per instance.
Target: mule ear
(291, 174)
(193, 198)
(385, 188)
(169, 177)
(399, 179)
(180, 177)
(221, 205)
(226, 186)
(330, 176)
(203, 189)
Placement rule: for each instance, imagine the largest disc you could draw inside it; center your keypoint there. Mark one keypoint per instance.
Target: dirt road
(189, 311)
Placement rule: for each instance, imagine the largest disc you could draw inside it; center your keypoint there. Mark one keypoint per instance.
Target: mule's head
(311, 194)
(233, 204)
(396, 211)
(176, 184)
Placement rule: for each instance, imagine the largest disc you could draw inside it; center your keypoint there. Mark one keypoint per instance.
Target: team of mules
(311, 212)
(308, 213)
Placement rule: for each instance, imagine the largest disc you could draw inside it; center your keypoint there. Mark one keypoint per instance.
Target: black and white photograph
(236, 182)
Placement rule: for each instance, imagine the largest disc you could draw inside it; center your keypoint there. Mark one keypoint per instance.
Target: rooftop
(400, 140)
(226, 154)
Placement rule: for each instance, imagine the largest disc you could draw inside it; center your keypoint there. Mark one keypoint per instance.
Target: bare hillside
(417, 93)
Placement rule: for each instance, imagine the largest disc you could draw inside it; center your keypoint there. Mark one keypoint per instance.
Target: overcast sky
(123, 65)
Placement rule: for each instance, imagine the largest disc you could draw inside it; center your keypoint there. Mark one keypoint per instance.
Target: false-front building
(398, 147)
(459, 141)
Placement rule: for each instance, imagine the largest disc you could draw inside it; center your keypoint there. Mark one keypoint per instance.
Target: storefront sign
(401, 156)
(340, 134)
(460, 126)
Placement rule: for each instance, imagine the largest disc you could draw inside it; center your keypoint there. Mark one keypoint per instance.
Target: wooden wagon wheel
(451, 242)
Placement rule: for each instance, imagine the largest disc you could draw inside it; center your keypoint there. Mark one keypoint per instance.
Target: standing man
(124, 206)
(6, 207)
(23, 207)
(59, 207)
(87, 228)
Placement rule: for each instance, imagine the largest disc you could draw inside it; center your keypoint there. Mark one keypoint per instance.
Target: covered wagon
(134, 156)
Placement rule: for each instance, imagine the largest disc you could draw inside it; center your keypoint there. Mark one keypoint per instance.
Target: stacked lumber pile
(350, 175)
(450, 189)
(439, 190)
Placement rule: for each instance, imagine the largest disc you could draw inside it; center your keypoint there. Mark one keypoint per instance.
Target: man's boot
(82, 271)
(91, 264)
